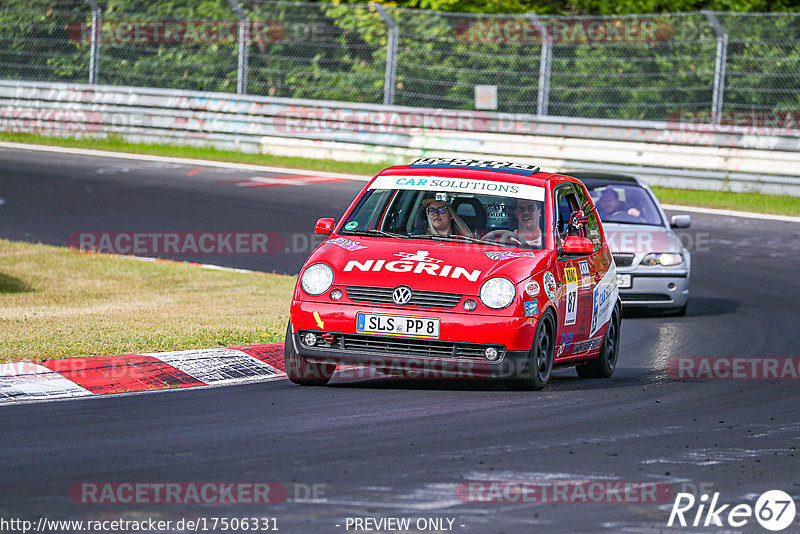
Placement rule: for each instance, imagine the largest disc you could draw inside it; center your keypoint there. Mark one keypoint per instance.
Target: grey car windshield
(622, 203)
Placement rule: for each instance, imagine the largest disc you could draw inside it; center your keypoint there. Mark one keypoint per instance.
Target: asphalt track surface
(400, 448)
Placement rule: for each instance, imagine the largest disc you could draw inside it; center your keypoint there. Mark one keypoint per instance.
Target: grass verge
(118, 145)
(58, 303)
(776, 204)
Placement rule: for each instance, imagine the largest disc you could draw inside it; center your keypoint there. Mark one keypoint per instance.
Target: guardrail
(662, 153)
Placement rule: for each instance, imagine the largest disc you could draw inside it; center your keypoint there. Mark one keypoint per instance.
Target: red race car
(459, 268)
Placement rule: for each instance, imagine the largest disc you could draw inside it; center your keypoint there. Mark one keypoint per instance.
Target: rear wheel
(603, 365)
(539, 365)
(301, 371)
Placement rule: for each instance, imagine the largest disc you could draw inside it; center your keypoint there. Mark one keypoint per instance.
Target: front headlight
(663, 259)
(317, 279)
(497, 293)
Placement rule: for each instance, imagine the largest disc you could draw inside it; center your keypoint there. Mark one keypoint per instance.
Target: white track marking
(180, 161)
(731, 213)
(23, 381)
(217, 366)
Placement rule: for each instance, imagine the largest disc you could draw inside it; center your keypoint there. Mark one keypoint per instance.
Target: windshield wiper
(374, 232)
(456, 237)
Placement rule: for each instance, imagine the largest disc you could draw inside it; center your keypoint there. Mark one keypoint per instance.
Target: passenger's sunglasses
(440, 211)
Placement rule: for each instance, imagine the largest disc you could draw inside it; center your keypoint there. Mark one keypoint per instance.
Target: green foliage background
(337, 51)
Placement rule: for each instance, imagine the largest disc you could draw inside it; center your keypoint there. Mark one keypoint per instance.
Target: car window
(567, 203)
(624, 203)
(592, 229)
(476, 216)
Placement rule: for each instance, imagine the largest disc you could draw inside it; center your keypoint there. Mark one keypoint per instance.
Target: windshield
(450, 216)
(624, 204)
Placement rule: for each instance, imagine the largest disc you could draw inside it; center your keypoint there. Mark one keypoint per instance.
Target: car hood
(640, 238)
(424, 265)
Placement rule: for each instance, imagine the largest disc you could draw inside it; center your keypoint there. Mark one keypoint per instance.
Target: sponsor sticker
(346, 244)
(508, 255)
(570, 275)
(414, 262)
(532, 288)
(350, 225)
(550, 287)
(504, 166)
(458, 185)
(584, 267)
(589, 344)
(604, 298)
(531, 308)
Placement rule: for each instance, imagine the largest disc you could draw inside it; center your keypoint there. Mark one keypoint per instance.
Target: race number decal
(572, 304)
(571, 279)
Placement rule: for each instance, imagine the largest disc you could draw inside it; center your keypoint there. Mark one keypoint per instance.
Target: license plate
(623, 281)
(397, 325)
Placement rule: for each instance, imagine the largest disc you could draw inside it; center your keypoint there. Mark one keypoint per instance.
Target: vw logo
(401, 295)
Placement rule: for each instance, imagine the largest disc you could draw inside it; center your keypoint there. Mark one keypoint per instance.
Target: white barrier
(661, 153)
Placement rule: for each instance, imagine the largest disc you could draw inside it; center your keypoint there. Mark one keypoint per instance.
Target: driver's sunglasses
(440, 211)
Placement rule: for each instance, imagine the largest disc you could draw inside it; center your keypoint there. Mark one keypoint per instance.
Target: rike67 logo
(774, 510)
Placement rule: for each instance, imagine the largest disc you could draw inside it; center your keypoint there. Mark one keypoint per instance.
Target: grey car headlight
(317, 279)
(497, 293)
(663, 259)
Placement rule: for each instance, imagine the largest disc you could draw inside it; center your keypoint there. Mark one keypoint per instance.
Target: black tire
(301, 371)
(539, 366)
(603, 366)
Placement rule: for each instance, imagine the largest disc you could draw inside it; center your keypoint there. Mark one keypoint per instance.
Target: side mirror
(578, 246)
(680, 221)
(324, 226)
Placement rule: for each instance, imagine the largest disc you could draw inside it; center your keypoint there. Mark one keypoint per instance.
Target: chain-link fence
(699, 65)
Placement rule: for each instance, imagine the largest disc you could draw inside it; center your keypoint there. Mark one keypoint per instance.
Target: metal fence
(705, 66)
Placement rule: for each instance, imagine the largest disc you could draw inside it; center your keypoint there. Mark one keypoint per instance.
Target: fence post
(719, 66)
(391, 54)
(94, 49)
(545, 63)
(244, 47)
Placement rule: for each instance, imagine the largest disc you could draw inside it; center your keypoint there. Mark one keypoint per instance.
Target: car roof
(596, 178)
(536, 178)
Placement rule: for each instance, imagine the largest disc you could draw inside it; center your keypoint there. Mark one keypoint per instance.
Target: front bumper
(459, 351)
(650, 289)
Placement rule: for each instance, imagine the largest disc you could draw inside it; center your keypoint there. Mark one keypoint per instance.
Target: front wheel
(539, 365)
(603, 365)
(301, 371)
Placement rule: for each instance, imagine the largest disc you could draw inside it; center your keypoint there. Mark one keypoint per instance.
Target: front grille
(623, 259)
(383, 295)
(645, 297)
(396, 346)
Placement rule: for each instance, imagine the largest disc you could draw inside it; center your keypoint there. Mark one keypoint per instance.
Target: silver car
(653, 266)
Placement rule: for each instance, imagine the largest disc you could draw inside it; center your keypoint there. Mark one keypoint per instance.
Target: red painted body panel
(460, 268)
